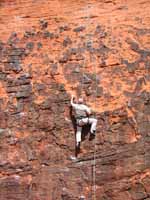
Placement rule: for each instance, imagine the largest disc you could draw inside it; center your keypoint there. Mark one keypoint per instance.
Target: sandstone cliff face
(50, 50)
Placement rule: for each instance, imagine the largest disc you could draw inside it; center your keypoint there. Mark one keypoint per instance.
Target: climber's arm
(88, 111)
(72, 101)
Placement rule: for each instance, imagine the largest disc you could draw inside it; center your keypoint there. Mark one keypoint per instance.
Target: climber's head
(80, 100)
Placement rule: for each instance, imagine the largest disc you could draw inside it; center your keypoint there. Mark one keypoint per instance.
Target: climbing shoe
(73, 158)
(92, 135)
(78, 145)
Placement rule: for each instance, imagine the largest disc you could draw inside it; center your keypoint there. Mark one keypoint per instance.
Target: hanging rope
(94, 158)
(92, 58)
(89, 44)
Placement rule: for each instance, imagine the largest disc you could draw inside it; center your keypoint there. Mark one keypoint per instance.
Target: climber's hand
(73, 97)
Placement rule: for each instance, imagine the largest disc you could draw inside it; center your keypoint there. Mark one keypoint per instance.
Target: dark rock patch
(29, 34)
(64, 28)
(54, 69)
(141, 32)
(30, 46)
(24, 91)
(64, 58)
(13, 39)
(13, 64)
(43, 24)
(39, 45)
(99, 92)
(131, 66)
(79, 29)
(67, 41)
(100, 31)
(48, 34)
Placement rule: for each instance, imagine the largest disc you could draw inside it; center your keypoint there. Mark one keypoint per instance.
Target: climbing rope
(88, 44)
(94, 163)
(92, 58)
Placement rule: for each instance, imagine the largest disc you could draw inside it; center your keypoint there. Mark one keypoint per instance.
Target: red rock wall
(50, 50)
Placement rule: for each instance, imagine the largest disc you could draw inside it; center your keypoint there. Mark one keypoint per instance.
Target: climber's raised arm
(72, 101)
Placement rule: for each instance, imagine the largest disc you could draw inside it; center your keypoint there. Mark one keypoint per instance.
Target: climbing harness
(80, 122)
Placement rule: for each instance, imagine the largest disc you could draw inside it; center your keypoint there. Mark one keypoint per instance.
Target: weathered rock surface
(50, 50)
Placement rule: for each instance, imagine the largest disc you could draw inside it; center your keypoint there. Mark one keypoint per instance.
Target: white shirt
(81, 109)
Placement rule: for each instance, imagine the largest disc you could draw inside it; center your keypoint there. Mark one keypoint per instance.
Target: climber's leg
(78, 135)
(93, 123)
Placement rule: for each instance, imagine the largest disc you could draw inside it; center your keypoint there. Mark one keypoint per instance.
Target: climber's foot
(92, 135)
(78, 145)
(73, 158)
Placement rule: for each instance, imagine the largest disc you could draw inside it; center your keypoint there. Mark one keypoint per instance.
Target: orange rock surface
(50, 50)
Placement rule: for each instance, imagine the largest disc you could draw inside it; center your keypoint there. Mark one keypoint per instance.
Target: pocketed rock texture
(50, 50)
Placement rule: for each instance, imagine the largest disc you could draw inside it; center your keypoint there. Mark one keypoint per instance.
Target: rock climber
(83, 117)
